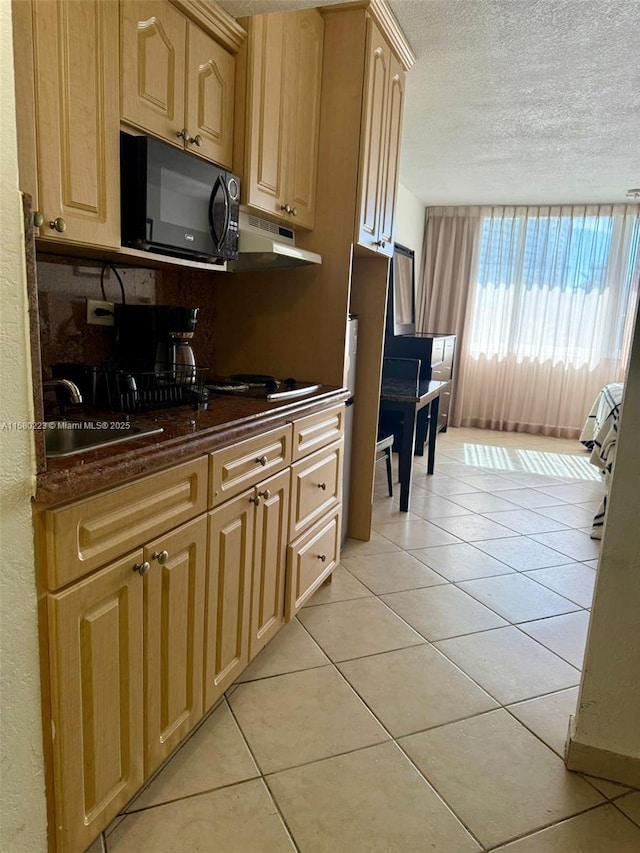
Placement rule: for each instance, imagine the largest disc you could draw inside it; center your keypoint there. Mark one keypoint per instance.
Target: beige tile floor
(420, 701)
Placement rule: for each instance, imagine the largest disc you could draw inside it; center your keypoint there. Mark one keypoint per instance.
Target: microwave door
(178, 197)
(219, 212)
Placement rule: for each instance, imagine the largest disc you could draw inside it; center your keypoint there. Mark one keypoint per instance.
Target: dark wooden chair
(403, 370)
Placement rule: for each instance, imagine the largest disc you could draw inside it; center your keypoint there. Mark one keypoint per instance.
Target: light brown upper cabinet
(380, 145)
(279, 153)
(66, 62)
(178, 81)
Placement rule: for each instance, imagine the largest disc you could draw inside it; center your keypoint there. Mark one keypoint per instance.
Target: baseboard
(601, 763)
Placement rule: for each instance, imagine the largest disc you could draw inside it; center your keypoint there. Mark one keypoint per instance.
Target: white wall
(409, 228)
(23, 822)
(608, 716)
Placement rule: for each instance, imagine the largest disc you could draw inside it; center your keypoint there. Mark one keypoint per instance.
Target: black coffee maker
(156, 339)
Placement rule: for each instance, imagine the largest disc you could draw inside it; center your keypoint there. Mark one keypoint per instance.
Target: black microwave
(176, 203)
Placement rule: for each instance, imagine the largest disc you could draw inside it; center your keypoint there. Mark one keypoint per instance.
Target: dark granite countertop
(187, 434)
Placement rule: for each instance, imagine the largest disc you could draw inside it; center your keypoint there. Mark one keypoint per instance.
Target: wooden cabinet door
(265, 183)
(391, 160)
(77, 120)
(210, 97)
(316, 486)
(153, 47)
(270, 560)
(95, 656)
(373, 136)
(231, 528)
(303, 45)
(311, 559)
(174, 637)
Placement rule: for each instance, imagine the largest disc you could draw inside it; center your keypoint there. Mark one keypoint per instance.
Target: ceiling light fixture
(633, 193)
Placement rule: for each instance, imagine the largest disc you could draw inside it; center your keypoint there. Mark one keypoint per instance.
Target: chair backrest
(401, 368)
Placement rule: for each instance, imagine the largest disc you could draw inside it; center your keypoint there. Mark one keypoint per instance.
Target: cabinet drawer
(437, 351)
(311, 559)
(316, 484)
(240, 466)
(82, 536)
(316, 431)
(441, 372)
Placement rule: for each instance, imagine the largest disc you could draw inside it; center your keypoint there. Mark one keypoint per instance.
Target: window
(555, 284)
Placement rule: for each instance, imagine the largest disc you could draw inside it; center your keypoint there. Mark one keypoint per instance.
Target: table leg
(433, 432)
(405, 462)
(422, 425)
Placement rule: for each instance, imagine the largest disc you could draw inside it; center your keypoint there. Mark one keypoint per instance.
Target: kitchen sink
(64, 438)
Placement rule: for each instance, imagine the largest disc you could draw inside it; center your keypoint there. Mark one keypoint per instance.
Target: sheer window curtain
(549, 305)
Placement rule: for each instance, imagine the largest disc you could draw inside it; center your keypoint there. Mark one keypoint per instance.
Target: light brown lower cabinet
(126, 676)
(96, 665)
(173, 638)
(269, 562)
(139, 649)
(311, 559)
(245, 589)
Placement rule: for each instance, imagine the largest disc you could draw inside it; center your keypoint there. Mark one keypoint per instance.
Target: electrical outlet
(99, 313)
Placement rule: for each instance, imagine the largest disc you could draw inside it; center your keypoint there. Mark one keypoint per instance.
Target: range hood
(263, 245)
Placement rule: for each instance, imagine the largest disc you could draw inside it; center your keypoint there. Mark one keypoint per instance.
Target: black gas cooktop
(260, 385)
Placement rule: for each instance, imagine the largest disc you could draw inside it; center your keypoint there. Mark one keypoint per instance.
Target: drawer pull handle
(262, 460)
(322, 557)
(161, 557)
(142, 568)
(183, 134)
(255, 500)
(195, 140)
(322, 486)
(266, 494)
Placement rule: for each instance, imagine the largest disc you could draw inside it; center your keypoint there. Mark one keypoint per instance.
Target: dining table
(417, 402)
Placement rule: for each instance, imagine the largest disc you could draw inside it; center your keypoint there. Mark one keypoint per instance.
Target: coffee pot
(156, 338)
(181, 360)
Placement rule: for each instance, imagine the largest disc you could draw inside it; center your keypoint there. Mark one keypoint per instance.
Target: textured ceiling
(516, 101)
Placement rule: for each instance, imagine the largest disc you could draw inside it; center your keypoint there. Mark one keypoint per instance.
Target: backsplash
(63, 290)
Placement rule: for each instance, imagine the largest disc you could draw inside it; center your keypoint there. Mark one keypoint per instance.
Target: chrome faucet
(74, 392)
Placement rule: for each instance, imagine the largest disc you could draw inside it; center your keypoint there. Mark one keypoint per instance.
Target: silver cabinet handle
(266, 494)
(286, 207)
(262, 460)
(255, 500)
(195, 140)
(58, 225)
(142, 568)
(160, 556)
(293, 211)
(38, 219)
(183, 134)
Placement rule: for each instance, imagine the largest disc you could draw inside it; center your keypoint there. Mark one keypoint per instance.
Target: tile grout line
(501, 706)
(262, 776)
(496, 847)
